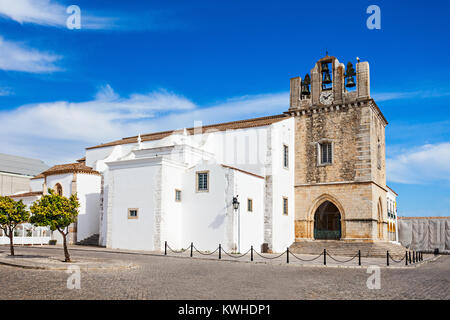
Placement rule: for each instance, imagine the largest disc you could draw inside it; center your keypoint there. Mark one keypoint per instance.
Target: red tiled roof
(69, 168)
(39, 176)
(241, 124)
(243, 171)
(26, 194)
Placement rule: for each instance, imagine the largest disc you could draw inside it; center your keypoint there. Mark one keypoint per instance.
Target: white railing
(28, 235)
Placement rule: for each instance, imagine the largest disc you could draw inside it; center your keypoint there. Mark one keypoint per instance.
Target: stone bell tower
(340, 176)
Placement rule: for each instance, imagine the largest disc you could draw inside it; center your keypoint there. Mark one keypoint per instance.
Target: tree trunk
(66, 252)
(11, 242)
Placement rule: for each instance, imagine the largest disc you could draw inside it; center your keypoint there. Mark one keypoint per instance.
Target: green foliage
(12, 213)
(55, 211)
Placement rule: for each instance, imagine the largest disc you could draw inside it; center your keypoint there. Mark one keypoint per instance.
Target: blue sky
(141, 66)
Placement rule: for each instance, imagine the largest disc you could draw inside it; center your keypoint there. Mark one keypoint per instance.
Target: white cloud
(15, 57)
(59, 131)
(421, 165)
(49, 13)
(387, 96)
(5, 92)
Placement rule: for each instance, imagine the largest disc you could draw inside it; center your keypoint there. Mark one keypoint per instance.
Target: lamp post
(236, 208)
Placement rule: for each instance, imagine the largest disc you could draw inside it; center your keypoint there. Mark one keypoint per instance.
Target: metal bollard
(192, 248)
(325, 257)
(406, 258)
(414, 257)
(287, 255)
(251, 253)
(220, 251)
(387, 258)
(409, 257)
(359, 257)
(165, 248)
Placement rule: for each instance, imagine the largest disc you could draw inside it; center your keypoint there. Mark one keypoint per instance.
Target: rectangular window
(202, 181)
(132, 213)
(177, 195)
(326, 156)
(249, 205)
(285, 206)
(286, 156)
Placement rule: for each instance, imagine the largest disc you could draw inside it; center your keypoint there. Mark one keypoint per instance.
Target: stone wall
(357, 203)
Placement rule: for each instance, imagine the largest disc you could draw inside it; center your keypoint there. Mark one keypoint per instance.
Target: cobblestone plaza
(159, 277)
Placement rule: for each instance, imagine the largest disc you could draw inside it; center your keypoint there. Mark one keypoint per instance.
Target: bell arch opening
(327, 222)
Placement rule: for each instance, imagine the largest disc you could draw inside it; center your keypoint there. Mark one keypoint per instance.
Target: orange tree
(58, 212)
(12, 213)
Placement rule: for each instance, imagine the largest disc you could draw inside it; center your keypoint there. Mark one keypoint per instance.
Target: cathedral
(314, 173)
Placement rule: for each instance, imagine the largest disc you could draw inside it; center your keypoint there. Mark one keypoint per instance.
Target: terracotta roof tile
(26, 194)
(241, 124)
(69, 168)
(39, 176)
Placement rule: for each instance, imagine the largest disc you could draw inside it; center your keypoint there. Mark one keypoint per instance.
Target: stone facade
(355, 180)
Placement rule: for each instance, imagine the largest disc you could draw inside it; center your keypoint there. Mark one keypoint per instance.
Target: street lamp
(235, 203)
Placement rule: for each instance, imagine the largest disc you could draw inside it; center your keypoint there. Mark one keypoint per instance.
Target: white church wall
(103, 211)
(36, 184)
(133, 188)
(171, 210)
(88, 192)
(241, 148)
(283, 185)
(205, 215)
(251, 231)
(65, 180)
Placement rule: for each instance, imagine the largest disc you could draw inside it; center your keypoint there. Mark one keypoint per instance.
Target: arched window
(59, 189)
(379, 154)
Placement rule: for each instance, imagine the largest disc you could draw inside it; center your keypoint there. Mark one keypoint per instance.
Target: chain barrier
(234, 256)
(416, 257)
(342, 261)
(204, 253)
(397, 261)
(305, 260)
(176, 251)
(270, 258)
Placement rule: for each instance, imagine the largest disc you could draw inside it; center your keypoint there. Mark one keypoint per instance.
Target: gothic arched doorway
(327, 222)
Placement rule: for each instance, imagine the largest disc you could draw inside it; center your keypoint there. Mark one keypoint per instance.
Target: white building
(138, 192)
(180, 186)
(392, 214)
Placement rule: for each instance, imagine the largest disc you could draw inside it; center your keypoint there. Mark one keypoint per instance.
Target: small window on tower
(285, 156)
(325, 153)
(379, 155)
(285, 206)
(177, 195)
(249, 205)
(132, 213)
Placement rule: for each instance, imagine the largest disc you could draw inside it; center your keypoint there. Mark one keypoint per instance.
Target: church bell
(349, 76)
(326, 78)
(305, 85)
